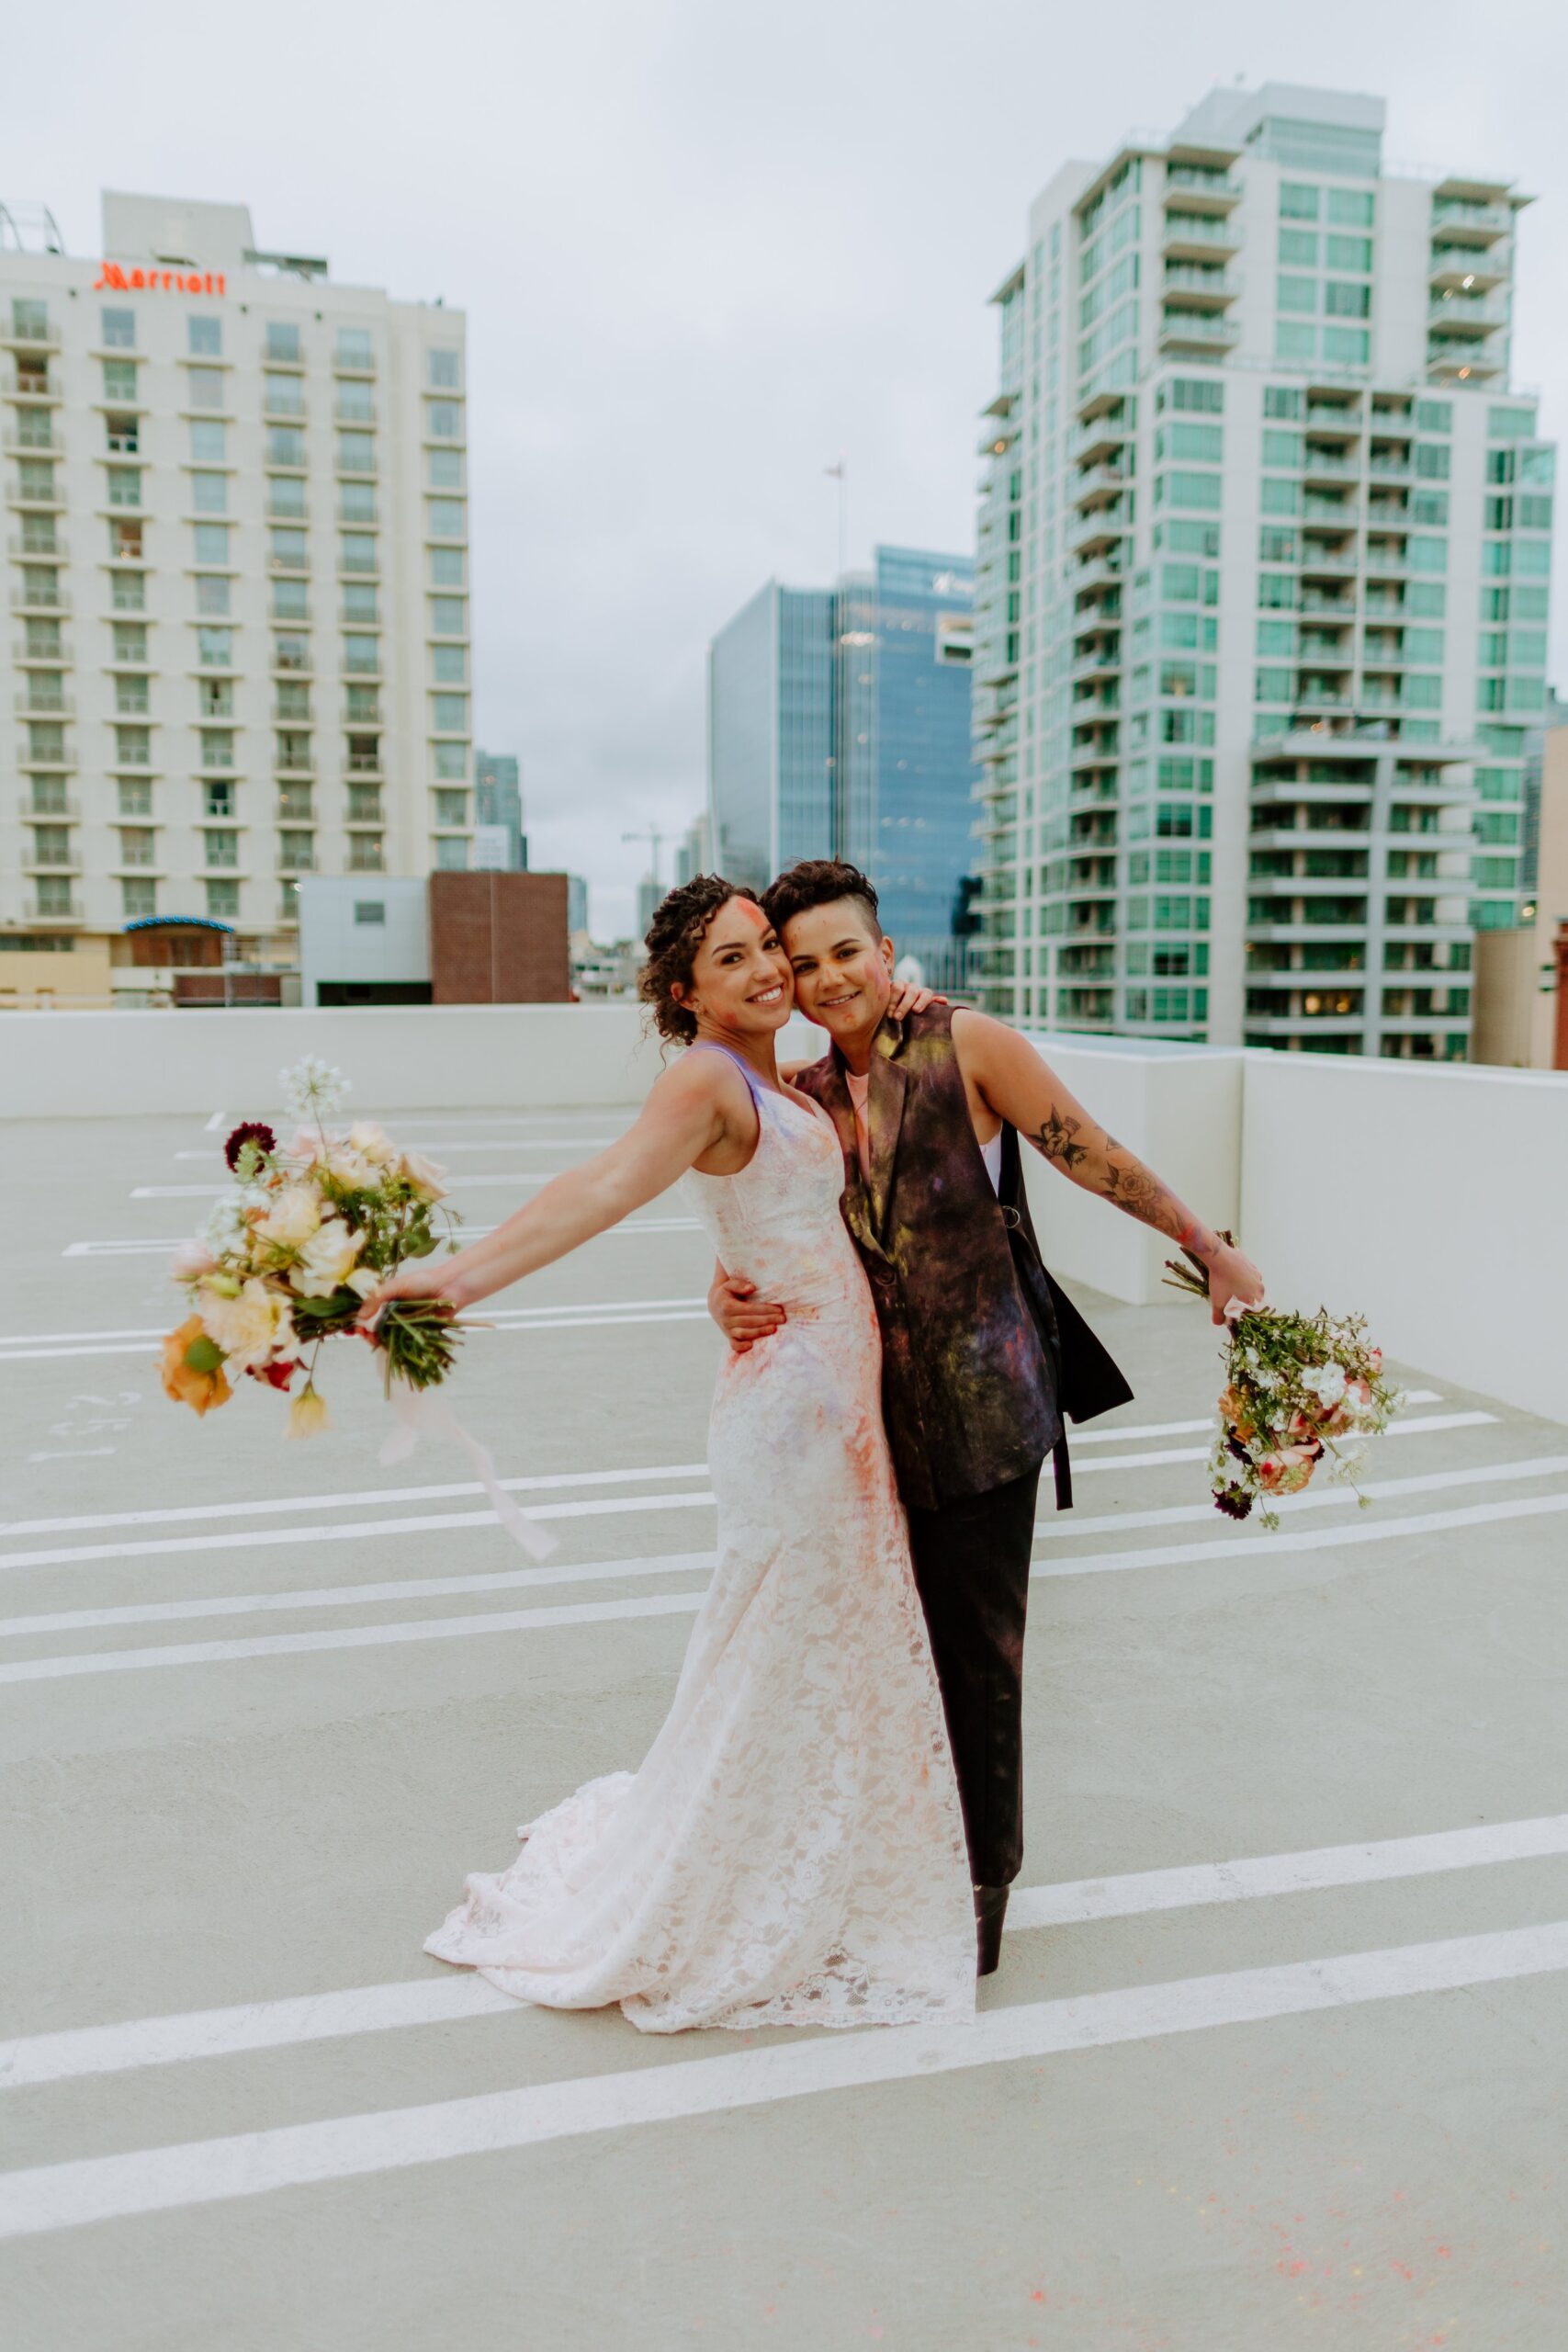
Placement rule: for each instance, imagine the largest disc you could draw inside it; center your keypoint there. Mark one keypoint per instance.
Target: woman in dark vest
(982, 1355)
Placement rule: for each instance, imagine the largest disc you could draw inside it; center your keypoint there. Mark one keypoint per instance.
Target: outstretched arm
(1024, 1090)
(690, 1109)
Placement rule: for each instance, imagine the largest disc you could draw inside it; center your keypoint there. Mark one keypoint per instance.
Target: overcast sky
(704, 246)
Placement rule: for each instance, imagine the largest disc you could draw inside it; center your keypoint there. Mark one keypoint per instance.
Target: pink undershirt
(860, 1087)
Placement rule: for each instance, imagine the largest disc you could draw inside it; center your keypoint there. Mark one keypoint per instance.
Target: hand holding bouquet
(290, 1257)
(1298, 1388)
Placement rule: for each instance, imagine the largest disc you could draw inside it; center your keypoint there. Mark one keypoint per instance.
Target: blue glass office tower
(839, 725)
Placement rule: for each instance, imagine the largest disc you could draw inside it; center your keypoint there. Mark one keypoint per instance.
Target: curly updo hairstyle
(679, 927)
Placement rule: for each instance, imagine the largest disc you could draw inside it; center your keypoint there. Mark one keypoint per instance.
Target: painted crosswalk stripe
(533, 1319)
(82, 2050)
(404, 1589)
(1229, 1547)
(631, 1226)
(205, 2172)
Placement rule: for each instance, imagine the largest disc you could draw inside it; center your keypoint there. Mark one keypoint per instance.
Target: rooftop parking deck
(1274, 2058)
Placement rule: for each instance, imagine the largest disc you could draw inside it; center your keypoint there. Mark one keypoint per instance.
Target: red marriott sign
(119, 280)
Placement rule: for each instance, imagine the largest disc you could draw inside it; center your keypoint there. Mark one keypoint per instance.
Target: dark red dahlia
(1233, 1505)
(276, 1376)
(249, 1131)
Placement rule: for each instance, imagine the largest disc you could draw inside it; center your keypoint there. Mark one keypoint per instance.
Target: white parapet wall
(1433, 1200)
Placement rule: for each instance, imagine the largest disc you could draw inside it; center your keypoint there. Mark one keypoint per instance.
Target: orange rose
(199, 1385)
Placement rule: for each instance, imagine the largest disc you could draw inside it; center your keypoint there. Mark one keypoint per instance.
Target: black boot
(990, 1910)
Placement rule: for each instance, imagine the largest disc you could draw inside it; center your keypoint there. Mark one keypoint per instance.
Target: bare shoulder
(979, 1037)
(712, 1079)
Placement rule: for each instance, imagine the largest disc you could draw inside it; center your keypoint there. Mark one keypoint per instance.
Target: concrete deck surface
(241, 2110)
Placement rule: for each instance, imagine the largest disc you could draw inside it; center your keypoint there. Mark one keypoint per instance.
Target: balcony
(42, 337)
(1096, 443)
(1202, 191)
(1463, 223)
(63, 809)
(1097, 532)
(1467, 269)
(1196, 330)
(35, 441)
(1463, 362)
(1097, 486)
(68, 862)
(1191, 287)
(1458, 314)
(1319, 464)
(36, 706)
(1191, 236)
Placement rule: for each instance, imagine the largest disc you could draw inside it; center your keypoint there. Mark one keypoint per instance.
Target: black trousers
(972, 1571)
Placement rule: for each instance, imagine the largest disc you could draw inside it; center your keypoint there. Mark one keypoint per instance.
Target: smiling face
(843, 966)
(740, 983)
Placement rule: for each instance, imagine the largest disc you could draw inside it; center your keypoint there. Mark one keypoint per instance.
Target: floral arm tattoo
(1102, 1165)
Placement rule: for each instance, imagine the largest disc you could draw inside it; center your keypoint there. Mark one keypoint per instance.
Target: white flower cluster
(313, 1089)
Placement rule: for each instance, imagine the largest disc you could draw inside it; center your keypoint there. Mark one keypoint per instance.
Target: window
(446, 567)
(1189, 489)
(129, 640)
(1347, 346)
(292, 698)
(448, 518)
(1351, 207)
(292, 751)
(445, 470)
(356, 453)
(285, 495)
(208, 441)
(30, 318)
(1276, 638)
(362, 653)
(1298, 248)
(366, 855)
(363, 705)
(1349, 252)
(122, 434)
(443, 420)
(211, 542)
(1281, 400)
(284, 446)
(1342, 300)
(287, 549)
(1278, 494)
(135, 797)
(35, 478)
(1427, 555)
(353, 348)
(451, 761)
(359, 601)
(203, 337)
(138, 898)
(356, 502)
(290, 653)
(1274, 685)
(451, 853)
(222, 901)
(217, 746)
(449, 666)
(130, 694)
(1434, 416)
(1428, 597)
(1298, 202)
(296, 853)
(1296, 293)
(218, 800)
(119, 330)
(206, 388)
(357, 551)
(449, 714)
(1199, 395)
(1424, 645)
(125, 542)
(120, 380)
(1430, 506)
(449, 615)
(1281, 448)
(282, 342)
(363, 754)
(1292, 342)
(356, 405)
(290, 600)
(444, 376)
(209, 494)
(369, 910)
(212, 595)
(133, 746)
(222, 849)
(1204, 442)
(1432, 461)
(1277, 591)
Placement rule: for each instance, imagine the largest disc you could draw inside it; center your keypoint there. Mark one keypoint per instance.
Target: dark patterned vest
(981, 1352)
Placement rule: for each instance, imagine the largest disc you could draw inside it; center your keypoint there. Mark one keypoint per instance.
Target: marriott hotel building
(238, 581)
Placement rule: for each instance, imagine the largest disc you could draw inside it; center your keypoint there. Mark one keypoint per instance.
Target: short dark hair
(818, 882)
(679, 927)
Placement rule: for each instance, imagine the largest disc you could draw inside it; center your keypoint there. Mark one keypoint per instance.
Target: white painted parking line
(163, 1248)
(349, 1596)
(79, 2050)
(1319, 1497)
(162, 1547)
(205, 2172)
(173, 1515)
(70, 1555)
(1233, 1547)
(353, 1596)
(533, 1319)
(1366, 1527)
(215, 1125)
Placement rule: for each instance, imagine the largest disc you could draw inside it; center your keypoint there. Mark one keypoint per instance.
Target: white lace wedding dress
(791, 1850)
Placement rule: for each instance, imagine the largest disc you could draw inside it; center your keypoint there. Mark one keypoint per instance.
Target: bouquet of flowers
(1298, 1388)
(290, 1257)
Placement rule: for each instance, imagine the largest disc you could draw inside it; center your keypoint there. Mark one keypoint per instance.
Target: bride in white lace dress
(790, 1849)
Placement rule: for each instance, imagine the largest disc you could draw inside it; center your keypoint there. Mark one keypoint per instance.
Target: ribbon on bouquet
(419, 1413)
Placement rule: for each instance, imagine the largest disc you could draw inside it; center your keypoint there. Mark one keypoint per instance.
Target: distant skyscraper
(498, 801)
(649, 895)
(839, 724)
(576, 904)
(693, 854)
(1262, 600)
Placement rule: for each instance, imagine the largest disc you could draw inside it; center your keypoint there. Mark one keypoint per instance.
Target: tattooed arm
(1011, 1078)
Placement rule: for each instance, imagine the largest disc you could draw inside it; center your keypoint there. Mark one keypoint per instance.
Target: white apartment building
(237, 550)
(1264, 541)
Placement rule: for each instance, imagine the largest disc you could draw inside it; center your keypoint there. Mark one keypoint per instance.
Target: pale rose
(424, 1175)
(365, 1279)
(1288, 1471)
(370, 1141)
(351, 1168)
(326, 1260)
(292, 1217)
(252, 1328)
(191, 1260)
(305, 1144)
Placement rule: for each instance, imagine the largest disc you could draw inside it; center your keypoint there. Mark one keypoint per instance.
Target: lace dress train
(790, 1849)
